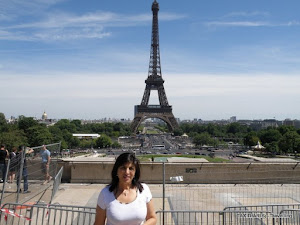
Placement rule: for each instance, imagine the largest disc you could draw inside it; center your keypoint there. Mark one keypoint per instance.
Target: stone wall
(192, 173)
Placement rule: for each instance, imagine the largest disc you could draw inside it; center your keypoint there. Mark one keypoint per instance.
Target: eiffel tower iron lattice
(154, 81)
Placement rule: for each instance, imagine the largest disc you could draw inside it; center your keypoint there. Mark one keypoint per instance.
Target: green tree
(2, 119)
(39, 135)
(269, 135)
(24, 123)
(65, 124)
(214, 130)
(74, 142)
(234, 128)
(297, 145)
(103, 141)
(118, 127)
(251, 139)
(289, 142)
(3, 123)
(284, 129)
(203, 139)
(77, 124)
(87, 143)
(272, 148)
(64, 145)
(57, 133)
(13, 138)
(178, 132)
(115, 144)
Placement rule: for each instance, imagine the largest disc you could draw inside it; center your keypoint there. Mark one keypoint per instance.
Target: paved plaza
(191, 197)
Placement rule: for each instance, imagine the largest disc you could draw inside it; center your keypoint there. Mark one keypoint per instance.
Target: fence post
(31, 214)
(20, 173)
(58, 152)
(164, 184)
(4, 181)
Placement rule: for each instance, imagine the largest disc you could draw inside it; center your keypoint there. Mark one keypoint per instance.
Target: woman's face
(126, 173)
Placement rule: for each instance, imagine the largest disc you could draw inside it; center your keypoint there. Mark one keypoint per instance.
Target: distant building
(297, 123)
(232, 119)
(289, 122)
(44, 116)
(46, 121)
(270, 123)
(86, 136)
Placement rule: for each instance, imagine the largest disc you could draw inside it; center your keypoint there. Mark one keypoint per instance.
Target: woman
(125, 201)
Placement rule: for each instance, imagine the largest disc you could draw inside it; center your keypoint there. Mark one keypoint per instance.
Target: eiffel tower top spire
(154, 65)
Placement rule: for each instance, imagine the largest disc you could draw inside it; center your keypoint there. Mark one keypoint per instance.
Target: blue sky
(89, 59)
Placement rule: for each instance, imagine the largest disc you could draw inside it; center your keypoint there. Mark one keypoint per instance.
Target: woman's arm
(151, 216)
(100, 216)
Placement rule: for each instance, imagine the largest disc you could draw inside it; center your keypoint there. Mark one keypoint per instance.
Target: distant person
(13, 165)
(46, 158)
(3, 156)
(125, 201)
(24, 174)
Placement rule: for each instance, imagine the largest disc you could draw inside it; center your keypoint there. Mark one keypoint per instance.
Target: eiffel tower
(154, 81)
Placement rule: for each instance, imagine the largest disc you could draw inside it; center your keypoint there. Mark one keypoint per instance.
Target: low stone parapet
(192, 173)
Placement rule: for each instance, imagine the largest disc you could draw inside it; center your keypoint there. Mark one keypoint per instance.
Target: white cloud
(248, 14)
(70, 34)
(63, 20)
(14, 36)
(59, 25)
(237, 23)
(14, 8)
(250, 24)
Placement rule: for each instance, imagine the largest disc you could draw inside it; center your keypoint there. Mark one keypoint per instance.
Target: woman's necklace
(125, 192)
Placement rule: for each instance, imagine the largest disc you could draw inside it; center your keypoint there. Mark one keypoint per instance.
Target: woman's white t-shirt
(117, 213)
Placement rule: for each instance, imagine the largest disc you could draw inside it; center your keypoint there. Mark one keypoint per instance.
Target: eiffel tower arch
(154, 82)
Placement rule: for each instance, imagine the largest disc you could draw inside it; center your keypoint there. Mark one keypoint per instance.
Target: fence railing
(56, 183)
(46, 214)
(180, 194)
(289, 216)
(215, 218)
(273, 208)
(24, 174)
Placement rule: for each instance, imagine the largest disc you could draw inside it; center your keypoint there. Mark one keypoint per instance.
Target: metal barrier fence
(274, 208)
(38, 214)
(43, 214)
(280, 214)
(289, 216)
(180, 194)
(215, 218)
(56, 183)
(24, 172)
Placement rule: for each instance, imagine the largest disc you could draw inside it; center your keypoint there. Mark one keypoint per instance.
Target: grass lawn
(147, 158)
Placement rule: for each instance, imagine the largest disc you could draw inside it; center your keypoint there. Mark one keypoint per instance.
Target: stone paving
(191, 197)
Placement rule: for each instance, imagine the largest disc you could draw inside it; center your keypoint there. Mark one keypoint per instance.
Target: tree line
(27, 131)
(279, 140)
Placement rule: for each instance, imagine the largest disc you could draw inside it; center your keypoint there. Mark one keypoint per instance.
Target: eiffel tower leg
(173, 122)
(135, 124)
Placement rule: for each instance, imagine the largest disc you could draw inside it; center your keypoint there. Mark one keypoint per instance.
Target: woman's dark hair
(121, 160)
